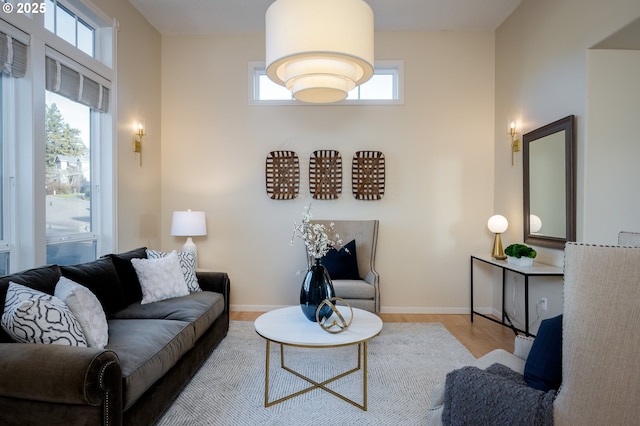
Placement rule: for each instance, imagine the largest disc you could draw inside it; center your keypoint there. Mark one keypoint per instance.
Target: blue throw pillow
(543, 369)
(342, 264)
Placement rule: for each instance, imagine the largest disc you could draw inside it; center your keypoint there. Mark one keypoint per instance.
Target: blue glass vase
(316, 287)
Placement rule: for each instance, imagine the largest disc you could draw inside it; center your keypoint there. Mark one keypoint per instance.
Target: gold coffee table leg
(364, 375)
(361, 365)
(266, 375)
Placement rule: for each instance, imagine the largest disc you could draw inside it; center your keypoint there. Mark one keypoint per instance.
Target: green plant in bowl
(520, 250)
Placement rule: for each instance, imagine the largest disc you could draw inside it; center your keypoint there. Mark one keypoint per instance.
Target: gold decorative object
(367, 175)
(325, 174)
(337, 325)
(137, 140)
(515, 142)
(282, 175)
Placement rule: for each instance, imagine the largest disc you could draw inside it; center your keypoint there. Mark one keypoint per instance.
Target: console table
(537, 270)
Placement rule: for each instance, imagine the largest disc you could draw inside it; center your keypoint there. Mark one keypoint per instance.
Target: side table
(537, 270)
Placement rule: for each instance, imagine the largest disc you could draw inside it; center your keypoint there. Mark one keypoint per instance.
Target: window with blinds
(74, 85)
(13, 56)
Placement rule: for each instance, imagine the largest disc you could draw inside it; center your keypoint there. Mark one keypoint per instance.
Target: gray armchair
(363, 293)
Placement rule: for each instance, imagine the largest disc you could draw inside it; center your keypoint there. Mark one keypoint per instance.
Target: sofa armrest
(60, 374)
(217, 282)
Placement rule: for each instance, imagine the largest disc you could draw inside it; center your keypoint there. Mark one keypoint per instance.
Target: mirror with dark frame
(549, 188)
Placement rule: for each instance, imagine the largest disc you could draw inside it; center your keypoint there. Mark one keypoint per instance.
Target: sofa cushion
(187, 266)
(342, 264)
(101, 278)
(147, 349)
(87, 309)
(201, 309)
(354, 289)
(127, 273)
(160, 278)
(543, 369)
(43, 279)
(31, 316)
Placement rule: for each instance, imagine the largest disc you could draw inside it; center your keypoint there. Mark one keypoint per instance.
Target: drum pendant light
(319, 49)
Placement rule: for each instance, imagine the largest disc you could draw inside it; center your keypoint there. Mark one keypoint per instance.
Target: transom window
(385, 87)
(67, 25)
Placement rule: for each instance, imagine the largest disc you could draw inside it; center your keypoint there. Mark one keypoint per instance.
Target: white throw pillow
(87, 309)
(31, 316)
(161, 278)
(187, 264)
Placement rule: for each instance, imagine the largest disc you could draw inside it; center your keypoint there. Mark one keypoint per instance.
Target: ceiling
(237, 16)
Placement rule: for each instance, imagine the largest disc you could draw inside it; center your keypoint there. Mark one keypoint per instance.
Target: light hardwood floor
(479, 337)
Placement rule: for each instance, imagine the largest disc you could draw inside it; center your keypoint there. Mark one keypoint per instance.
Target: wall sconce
(137, 141)
(515, 143)
(497, 224)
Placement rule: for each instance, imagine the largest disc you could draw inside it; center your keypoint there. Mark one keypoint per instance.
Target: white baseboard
(255, 308)
(384, 309)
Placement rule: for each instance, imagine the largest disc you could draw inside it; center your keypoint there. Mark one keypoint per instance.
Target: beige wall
(612, 175)
(137, 99)
(541, 76)
(448, 159)
(438, 148)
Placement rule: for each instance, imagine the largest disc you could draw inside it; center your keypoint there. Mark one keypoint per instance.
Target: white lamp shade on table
(189, 224)
(497, 224)
(319, 49)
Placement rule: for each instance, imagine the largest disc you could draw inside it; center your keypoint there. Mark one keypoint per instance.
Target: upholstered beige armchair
(361, 291)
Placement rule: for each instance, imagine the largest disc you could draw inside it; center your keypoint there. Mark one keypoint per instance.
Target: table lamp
(189, 224)
(497, 224)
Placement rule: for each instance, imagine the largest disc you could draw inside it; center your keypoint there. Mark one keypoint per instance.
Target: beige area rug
(405, 362)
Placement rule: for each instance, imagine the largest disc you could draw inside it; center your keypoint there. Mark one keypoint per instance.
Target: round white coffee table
(289, 327)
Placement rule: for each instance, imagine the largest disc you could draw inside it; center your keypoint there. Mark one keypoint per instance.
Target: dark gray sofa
(153, 350)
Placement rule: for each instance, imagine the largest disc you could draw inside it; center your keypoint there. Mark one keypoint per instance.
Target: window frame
(5, 247)
(393, 67)
(29, 241)
(11, 117)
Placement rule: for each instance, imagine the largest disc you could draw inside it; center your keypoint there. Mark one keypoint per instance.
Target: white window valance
(74, 85)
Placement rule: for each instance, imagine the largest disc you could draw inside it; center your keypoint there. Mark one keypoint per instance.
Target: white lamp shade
(535, 223)
(319, 49)
(188, 224)
(497, 224)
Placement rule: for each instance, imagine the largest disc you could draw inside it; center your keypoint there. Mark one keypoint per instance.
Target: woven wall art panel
(367, 175)
(283, 175)
(325, 174)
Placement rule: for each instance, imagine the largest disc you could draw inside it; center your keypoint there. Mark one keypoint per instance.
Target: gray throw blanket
(495, 396)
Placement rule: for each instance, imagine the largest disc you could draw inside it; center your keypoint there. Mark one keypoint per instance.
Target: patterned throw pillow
(31, 316)
(187, 264)
(161, 278)
(87, 309)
